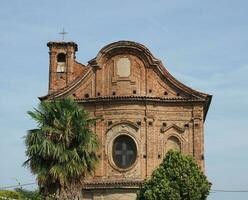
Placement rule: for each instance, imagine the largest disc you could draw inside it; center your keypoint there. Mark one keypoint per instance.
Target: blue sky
(204, 44)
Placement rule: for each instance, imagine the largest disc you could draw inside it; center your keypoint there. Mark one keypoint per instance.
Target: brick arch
(173, 143)
(173, 136)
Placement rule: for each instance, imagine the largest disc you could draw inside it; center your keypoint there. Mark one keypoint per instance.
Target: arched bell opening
(61, 60)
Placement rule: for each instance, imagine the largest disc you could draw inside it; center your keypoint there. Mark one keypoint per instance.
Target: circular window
(124, 151)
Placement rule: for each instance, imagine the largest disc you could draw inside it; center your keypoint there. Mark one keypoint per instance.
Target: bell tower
(62, 57)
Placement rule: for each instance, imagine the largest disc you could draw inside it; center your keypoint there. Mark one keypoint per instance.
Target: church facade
(144, 113)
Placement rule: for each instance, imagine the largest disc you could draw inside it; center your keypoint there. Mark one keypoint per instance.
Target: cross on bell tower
(63, 33)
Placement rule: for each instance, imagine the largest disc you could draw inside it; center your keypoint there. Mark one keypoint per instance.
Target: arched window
(61, 57)
(172, 143)
(124, 151)
(61, 62)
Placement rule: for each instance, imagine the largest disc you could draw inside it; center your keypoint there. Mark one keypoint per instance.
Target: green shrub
(32, 195)
(22, 194)
(9, 194)
(177, 178)
(28, 195)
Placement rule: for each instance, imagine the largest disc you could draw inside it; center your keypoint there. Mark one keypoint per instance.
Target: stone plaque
(123, 67)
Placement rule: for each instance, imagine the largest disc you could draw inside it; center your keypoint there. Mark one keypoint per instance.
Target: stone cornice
(126, 99)
(132, 184)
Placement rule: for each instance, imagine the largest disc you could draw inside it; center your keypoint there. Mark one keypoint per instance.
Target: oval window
(124, 151)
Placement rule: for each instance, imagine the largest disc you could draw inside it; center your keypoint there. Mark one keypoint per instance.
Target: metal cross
(124, 153)
(63, 34)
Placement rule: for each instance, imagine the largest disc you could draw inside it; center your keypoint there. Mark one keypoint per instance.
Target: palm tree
(61, 151)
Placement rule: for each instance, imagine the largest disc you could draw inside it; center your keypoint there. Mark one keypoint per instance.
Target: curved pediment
(144, 54)
(125, 47)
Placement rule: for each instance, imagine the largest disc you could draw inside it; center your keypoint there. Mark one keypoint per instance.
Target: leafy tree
(177, 178)
(61, 151)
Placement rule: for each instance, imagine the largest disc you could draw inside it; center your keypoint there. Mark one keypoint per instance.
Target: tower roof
(62, 44)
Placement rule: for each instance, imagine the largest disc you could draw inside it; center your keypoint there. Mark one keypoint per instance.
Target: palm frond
(62, 149)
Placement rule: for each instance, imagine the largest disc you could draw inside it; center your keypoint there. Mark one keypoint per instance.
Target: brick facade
(135, 96)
